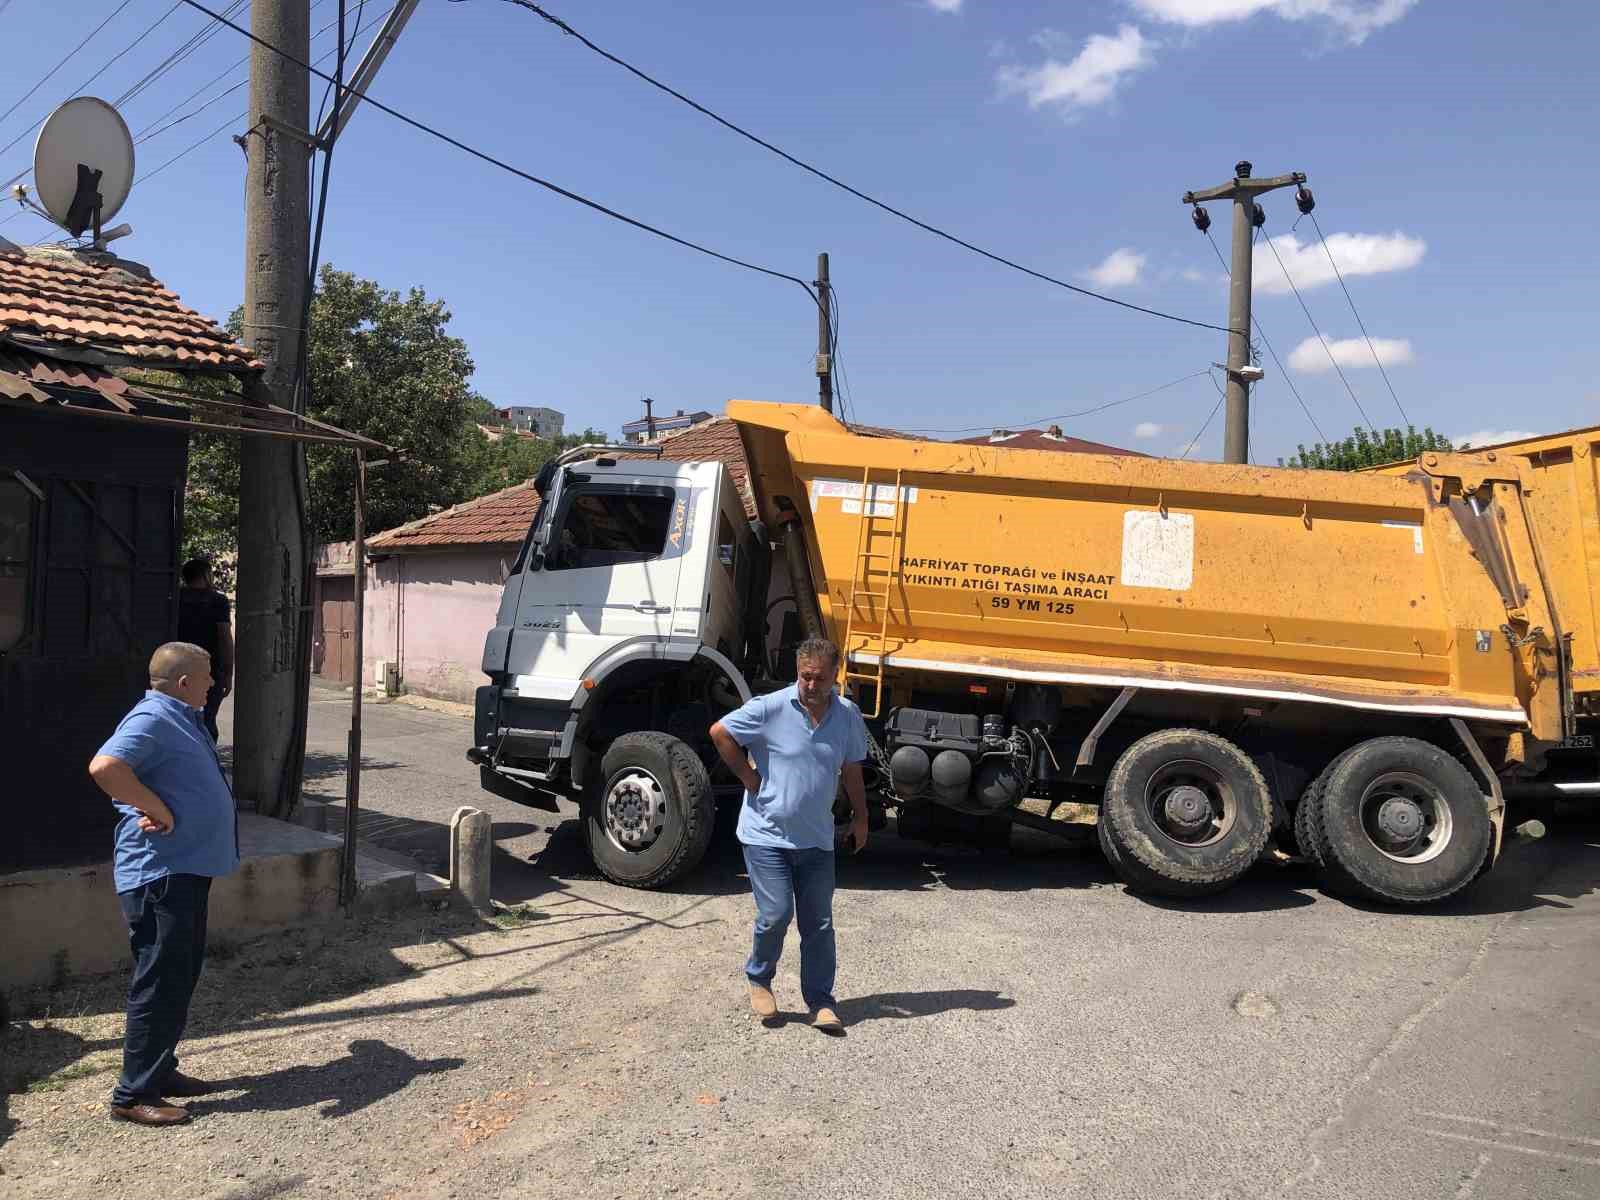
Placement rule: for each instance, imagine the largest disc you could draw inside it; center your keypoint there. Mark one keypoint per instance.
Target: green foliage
(510, 460)
(383, 365)
(1368, 448)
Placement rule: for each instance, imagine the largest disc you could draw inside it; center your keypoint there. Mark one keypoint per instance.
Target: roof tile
(52, 297)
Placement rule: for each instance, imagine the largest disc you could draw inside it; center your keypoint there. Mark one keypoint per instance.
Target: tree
(382, 365)
(1368, 448)
(510, 460)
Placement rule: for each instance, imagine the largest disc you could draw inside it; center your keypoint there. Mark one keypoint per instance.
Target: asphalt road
(1026, 1027)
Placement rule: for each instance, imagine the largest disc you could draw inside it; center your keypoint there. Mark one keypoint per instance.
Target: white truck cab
(633, 617)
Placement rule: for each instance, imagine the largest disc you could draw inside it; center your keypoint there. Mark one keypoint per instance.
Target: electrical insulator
(1258, 215)
(1304, 200)
(1202, 219)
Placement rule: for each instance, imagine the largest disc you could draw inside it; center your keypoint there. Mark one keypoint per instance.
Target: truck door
(608, 574)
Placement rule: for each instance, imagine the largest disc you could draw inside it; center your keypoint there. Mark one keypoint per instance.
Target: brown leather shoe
(179, 1084)
(151, 1114)
(827, 1020)
(762, 1002)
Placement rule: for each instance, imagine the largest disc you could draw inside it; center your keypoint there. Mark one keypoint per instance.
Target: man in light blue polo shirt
(178, 831)
(802, 740)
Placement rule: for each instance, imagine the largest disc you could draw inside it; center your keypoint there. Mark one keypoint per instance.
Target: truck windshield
(604, 529)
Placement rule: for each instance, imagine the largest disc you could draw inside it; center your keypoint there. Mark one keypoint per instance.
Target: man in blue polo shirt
(802, 740)
(178, 831)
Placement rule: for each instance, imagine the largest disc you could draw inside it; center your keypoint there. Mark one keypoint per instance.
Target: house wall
(431, 613)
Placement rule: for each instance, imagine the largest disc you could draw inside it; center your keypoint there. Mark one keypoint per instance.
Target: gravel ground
(1017, 1027)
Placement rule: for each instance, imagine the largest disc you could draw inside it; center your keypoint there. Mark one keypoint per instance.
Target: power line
(1262, 333)
(229, 70)
(1221, 395)
(150, 131)
(51, 72)
(106, 66)
(200, 38)
(198, 142)
(856, 192)
(171, 61)
(1322, 340)
(1069, 416)
(1340, 277)
(485, 156)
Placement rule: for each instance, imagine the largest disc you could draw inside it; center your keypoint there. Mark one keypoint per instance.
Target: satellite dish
(83, 164)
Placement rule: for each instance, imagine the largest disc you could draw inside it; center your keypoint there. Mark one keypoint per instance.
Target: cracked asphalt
(1018, 1026)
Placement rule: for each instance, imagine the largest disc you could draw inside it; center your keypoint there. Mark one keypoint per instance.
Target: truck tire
(649, 816)
(1401, 821)
(1186, 813)
(1308, 814)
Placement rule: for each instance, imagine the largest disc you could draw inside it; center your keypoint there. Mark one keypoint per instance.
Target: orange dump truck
(1372, 665)
(1374, 661)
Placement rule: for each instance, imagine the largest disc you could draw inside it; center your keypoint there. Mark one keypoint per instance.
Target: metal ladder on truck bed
(874, 640)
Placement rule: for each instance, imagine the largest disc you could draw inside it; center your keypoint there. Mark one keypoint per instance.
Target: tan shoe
(827, 1020)
(151, 1114)
(762, 1002)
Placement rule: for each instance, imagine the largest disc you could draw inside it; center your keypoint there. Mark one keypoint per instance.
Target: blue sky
(1450, 147)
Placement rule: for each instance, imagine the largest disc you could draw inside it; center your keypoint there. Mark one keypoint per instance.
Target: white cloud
(1120, 269)
(1354, 19)
(1091, 78)
(1356, 254)
(1149, 429)
(1491, 437)
(948, 6)
(1310, 357)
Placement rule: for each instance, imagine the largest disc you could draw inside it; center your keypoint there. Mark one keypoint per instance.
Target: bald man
(178, 831)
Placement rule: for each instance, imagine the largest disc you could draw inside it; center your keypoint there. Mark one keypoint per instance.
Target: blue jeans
(793, 883)
(167, 932)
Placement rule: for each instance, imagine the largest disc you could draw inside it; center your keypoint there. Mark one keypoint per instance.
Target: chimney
(649, 421)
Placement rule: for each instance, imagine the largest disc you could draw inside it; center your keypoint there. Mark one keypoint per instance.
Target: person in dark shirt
(204, 620)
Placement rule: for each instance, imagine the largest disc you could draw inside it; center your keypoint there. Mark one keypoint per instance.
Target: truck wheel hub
(635, 811)
(1399, 821)
(1187, 809)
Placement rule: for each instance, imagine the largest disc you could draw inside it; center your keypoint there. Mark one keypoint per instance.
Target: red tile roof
(56, 300)
(1044, 439)
(502, 518)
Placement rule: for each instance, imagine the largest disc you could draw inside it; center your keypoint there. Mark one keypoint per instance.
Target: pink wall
(431, 613)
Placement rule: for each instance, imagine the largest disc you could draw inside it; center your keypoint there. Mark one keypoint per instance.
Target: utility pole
(824, 338)
(1247, 217)
(272, 529)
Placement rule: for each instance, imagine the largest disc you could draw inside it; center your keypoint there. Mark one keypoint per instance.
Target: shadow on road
(373, 1070)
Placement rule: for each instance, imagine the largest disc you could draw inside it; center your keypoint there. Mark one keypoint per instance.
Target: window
(606, 529)
(727, 543)
(16, 550)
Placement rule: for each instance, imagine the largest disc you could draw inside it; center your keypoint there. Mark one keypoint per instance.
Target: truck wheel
(1401, 821)
(1186, 813)
(649, 817)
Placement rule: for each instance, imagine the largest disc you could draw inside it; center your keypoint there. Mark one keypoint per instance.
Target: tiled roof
(1044, 439)
(502, 518)
(55, 300)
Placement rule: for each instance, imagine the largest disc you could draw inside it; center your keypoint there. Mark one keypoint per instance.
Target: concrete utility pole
(824, 338)
(1247, 215)
(272, 550)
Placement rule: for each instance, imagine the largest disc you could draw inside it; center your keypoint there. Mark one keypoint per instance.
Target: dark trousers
(167, 931)
(213, 703)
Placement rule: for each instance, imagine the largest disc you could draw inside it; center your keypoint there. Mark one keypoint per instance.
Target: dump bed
(1417, 594)
(1563, 498)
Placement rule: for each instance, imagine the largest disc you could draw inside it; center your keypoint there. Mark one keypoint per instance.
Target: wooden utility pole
(273, 532)
(824, 337)
(1247, 215)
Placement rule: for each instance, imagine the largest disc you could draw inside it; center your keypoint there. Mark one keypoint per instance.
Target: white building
(541, 422)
